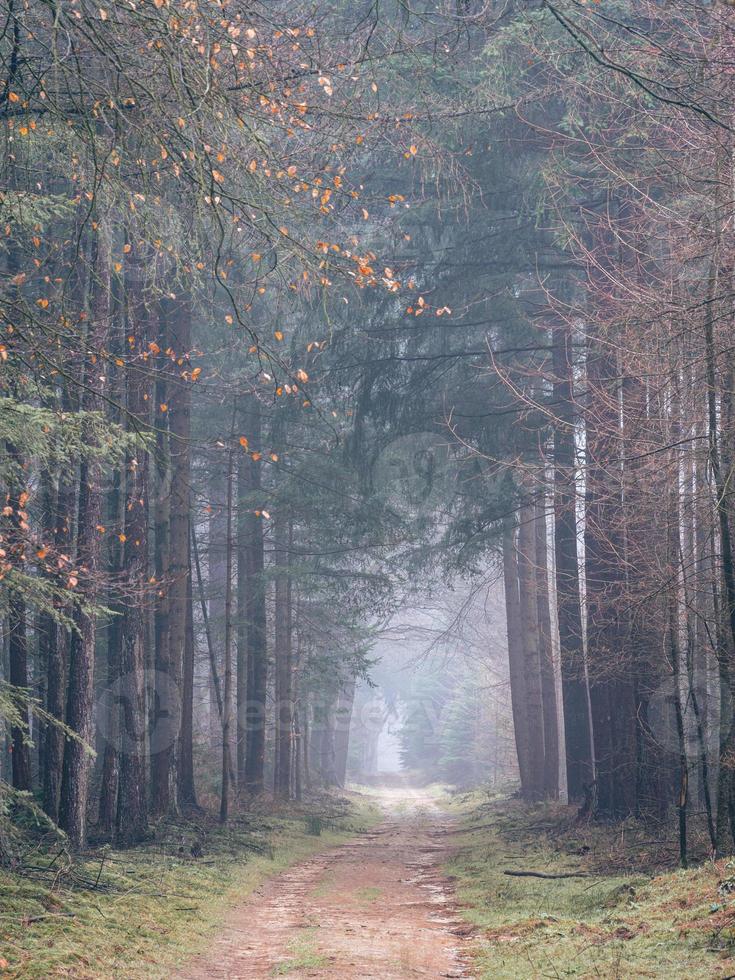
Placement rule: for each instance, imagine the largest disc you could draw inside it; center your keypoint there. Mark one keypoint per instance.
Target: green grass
(628, 918)
(304, 955)
(369, 895)
(140, 913)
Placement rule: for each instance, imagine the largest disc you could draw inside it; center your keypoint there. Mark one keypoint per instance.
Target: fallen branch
(543, 874)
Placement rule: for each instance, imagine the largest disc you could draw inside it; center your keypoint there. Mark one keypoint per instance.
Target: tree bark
(530, 639)
(79, 706)
(282, 651)
(180, 761)
(256, 610)
(132, 797)
(546, 653)
(227, 694)
(515, 658)
(577, 735)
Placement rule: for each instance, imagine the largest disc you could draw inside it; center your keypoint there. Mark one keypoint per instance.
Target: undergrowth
(628, 914)
(142, 912)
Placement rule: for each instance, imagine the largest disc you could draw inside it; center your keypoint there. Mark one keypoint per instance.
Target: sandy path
(376, 907)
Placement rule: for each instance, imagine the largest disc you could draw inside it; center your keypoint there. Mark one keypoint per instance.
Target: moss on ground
(628, 917)
(141, 913)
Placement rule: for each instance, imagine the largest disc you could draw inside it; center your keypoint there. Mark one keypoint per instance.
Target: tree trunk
(342, 735)
(166, 709)
(546, 653)
(18, 648)
(79, 707)
(107, 814)
(181, 757)
(242, 615)
(132, 798)
(534, 710)
(515, 658)
(577, 735)
(256, 610)
(282, 651)
(227, 694)
(57, 652)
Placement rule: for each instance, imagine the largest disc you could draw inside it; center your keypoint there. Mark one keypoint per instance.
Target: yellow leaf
(122, 538)
(244, 442)
(195, 373)
(256, 456)
(253, 166)
(13, 97)
(164, 407)
(278, 335)
(127, 248)
(274, 457)
(43, 303)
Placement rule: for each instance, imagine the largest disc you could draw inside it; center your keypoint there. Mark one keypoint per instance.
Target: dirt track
(377, 906)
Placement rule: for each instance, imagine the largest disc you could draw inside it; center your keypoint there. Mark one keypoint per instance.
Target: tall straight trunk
(342, 735)
(282, 651)
(181, 650)
(611, 688)
(530, 640)
(674, 620)
(61, 524)
(577, 734)
(546, 654)
(256, 613)
(17, 637)
(132, 817)
(108, 709)
(107, 813)
(327, 748)
(17, 625)
(242, 616)
(216, 579)
(166, 710)
(162, 538)
(186, 784)
(79, 706)
(515, 658)
(227, 693)
(306, 742)
(18, 650)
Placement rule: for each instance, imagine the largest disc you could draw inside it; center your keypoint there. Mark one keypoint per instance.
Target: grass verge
(141, 913)
(625, 916)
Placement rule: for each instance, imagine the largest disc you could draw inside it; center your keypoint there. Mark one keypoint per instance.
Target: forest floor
(396, 883)
(139, 914)
(629, 912)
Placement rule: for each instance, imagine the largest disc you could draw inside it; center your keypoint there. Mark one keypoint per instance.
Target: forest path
(376, 907)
